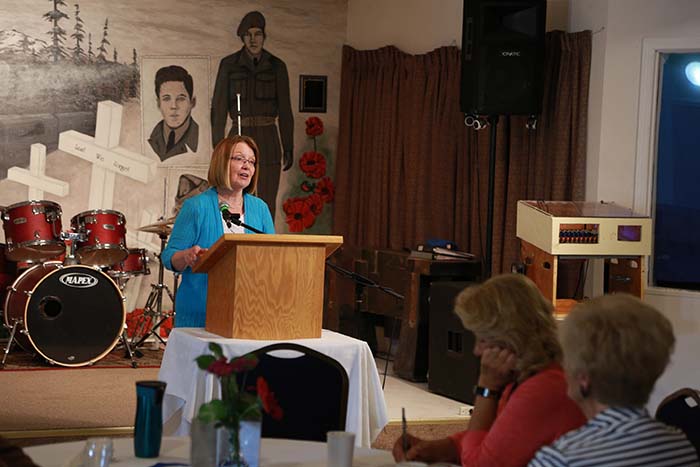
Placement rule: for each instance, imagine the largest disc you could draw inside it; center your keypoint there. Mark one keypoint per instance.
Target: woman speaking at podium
(233, 177)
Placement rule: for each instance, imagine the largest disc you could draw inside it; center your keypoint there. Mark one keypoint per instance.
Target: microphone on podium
(230, 217)
(225, 213)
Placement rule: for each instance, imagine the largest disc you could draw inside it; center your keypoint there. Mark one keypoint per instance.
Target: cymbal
(160, 227)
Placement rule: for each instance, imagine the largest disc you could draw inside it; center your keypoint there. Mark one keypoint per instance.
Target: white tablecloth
(188, 387)
(273, 452)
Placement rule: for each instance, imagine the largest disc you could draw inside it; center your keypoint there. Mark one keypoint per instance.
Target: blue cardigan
(199, 223)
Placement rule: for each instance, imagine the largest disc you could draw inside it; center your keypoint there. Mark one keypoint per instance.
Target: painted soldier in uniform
(177, 132)
(263, 83)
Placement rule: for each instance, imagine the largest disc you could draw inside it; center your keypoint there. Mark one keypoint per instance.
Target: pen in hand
(404, 438)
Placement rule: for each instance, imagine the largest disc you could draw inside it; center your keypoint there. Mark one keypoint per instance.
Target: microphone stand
(236, 219)
(364, 281)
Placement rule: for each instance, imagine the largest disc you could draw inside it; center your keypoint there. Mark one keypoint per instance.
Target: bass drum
(71, 315)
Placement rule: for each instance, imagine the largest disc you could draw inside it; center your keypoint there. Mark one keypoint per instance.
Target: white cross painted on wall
(106, 156)
(35, 178)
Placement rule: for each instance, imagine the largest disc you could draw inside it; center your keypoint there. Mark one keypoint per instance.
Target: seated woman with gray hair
(615, 348)
(521, 403)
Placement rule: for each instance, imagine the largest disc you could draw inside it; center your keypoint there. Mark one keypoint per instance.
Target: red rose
(326, 189)
(315, 203)
(299, 216)
(314, 127)
(267, 397)
(241, 364)
(313, 164)
(221, 367)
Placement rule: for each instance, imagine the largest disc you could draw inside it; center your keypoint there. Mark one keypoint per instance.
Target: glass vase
(239, 447)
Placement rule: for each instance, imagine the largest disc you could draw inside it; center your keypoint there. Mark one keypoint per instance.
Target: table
(273, 452)
(188, 387)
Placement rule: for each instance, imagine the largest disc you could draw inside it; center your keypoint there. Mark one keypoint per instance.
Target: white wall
(612, 139)
(419, 26)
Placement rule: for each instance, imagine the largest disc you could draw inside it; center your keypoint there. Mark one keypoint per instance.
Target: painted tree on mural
(90, 54)
(102, 57)
(26, 46)
(56, 82)
(57, 33)
(79, 36)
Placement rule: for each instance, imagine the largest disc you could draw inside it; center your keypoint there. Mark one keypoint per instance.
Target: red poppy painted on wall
(316, 190)
(299, 215)
(313, 164)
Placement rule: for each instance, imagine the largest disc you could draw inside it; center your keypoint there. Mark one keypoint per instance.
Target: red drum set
(63, 291)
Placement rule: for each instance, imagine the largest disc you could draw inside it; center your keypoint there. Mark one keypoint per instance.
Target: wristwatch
(486, 392)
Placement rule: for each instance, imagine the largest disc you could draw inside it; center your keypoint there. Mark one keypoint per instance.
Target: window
(676, 202)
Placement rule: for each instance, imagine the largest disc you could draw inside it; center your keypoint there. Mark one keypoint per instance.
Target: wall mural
(115, 106)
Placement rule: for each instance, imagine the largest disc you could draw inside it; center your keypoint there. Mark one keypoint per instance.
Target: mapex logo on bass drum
(78, 280)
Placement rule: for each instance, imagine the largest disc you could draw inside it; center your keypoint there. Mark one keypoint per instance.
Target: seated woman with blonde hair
(521, 403)
(615, 348)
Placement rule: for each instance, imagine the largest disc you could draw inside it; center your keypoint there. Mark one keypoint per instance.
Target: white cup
(340, 448)
(97, 452)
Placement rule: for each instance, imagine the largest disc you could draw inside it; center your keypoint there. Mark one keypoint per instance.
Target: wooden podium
(267, 287)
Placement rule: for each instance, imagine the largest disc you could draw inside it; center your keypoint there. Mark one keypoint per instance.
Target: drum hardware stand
(154, 304)
(11, 341)
(74, 237)
(129, 352)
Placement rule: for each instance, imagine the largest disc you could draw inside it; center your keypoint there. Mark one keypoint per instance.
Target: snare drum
(105, 237)
(71, 315)
(33, 231)
(134, 265)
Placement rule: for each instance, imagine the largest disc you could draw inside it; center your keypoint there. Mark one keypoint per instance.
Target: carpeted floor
(39, 396)
(19, 360)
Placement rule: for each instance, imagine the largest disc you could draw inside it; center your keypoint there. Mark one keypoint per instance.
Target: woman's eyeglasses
(241, 160)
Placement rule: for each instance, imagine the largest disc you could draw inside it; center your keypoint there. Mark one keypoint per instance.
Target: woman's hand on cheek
(497, 367)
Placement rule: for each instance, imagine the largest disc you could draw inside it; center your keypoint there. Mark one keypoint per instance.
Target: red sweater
(532, 416)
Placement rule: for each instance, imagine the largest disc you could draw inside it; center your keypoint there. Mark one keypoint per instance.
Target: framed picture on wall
(312, 93)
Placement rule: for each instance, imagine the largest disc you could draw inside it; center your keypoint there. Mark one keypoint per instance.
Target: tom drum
(134, 265)
(105, 237)
(33, 231)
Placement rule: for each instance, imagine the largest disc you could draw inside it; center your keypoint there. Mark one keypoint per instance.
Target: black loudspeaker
(453, 368)
(503, 57)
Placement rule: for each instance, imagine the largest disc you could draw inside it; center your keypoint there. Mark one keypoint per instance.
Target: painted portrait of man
(177, 132)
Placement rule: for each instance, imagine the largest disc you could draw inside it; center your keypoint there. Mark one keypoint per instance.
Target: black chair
(312, 390)
(682, 410)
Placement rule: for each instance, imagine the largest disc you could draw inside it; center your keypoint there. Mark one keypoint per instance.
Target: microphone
(225, 213)
(230, 217)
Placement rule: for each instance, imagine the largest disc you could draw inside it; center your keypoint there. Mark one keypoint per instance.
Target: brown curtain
(408, 169)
